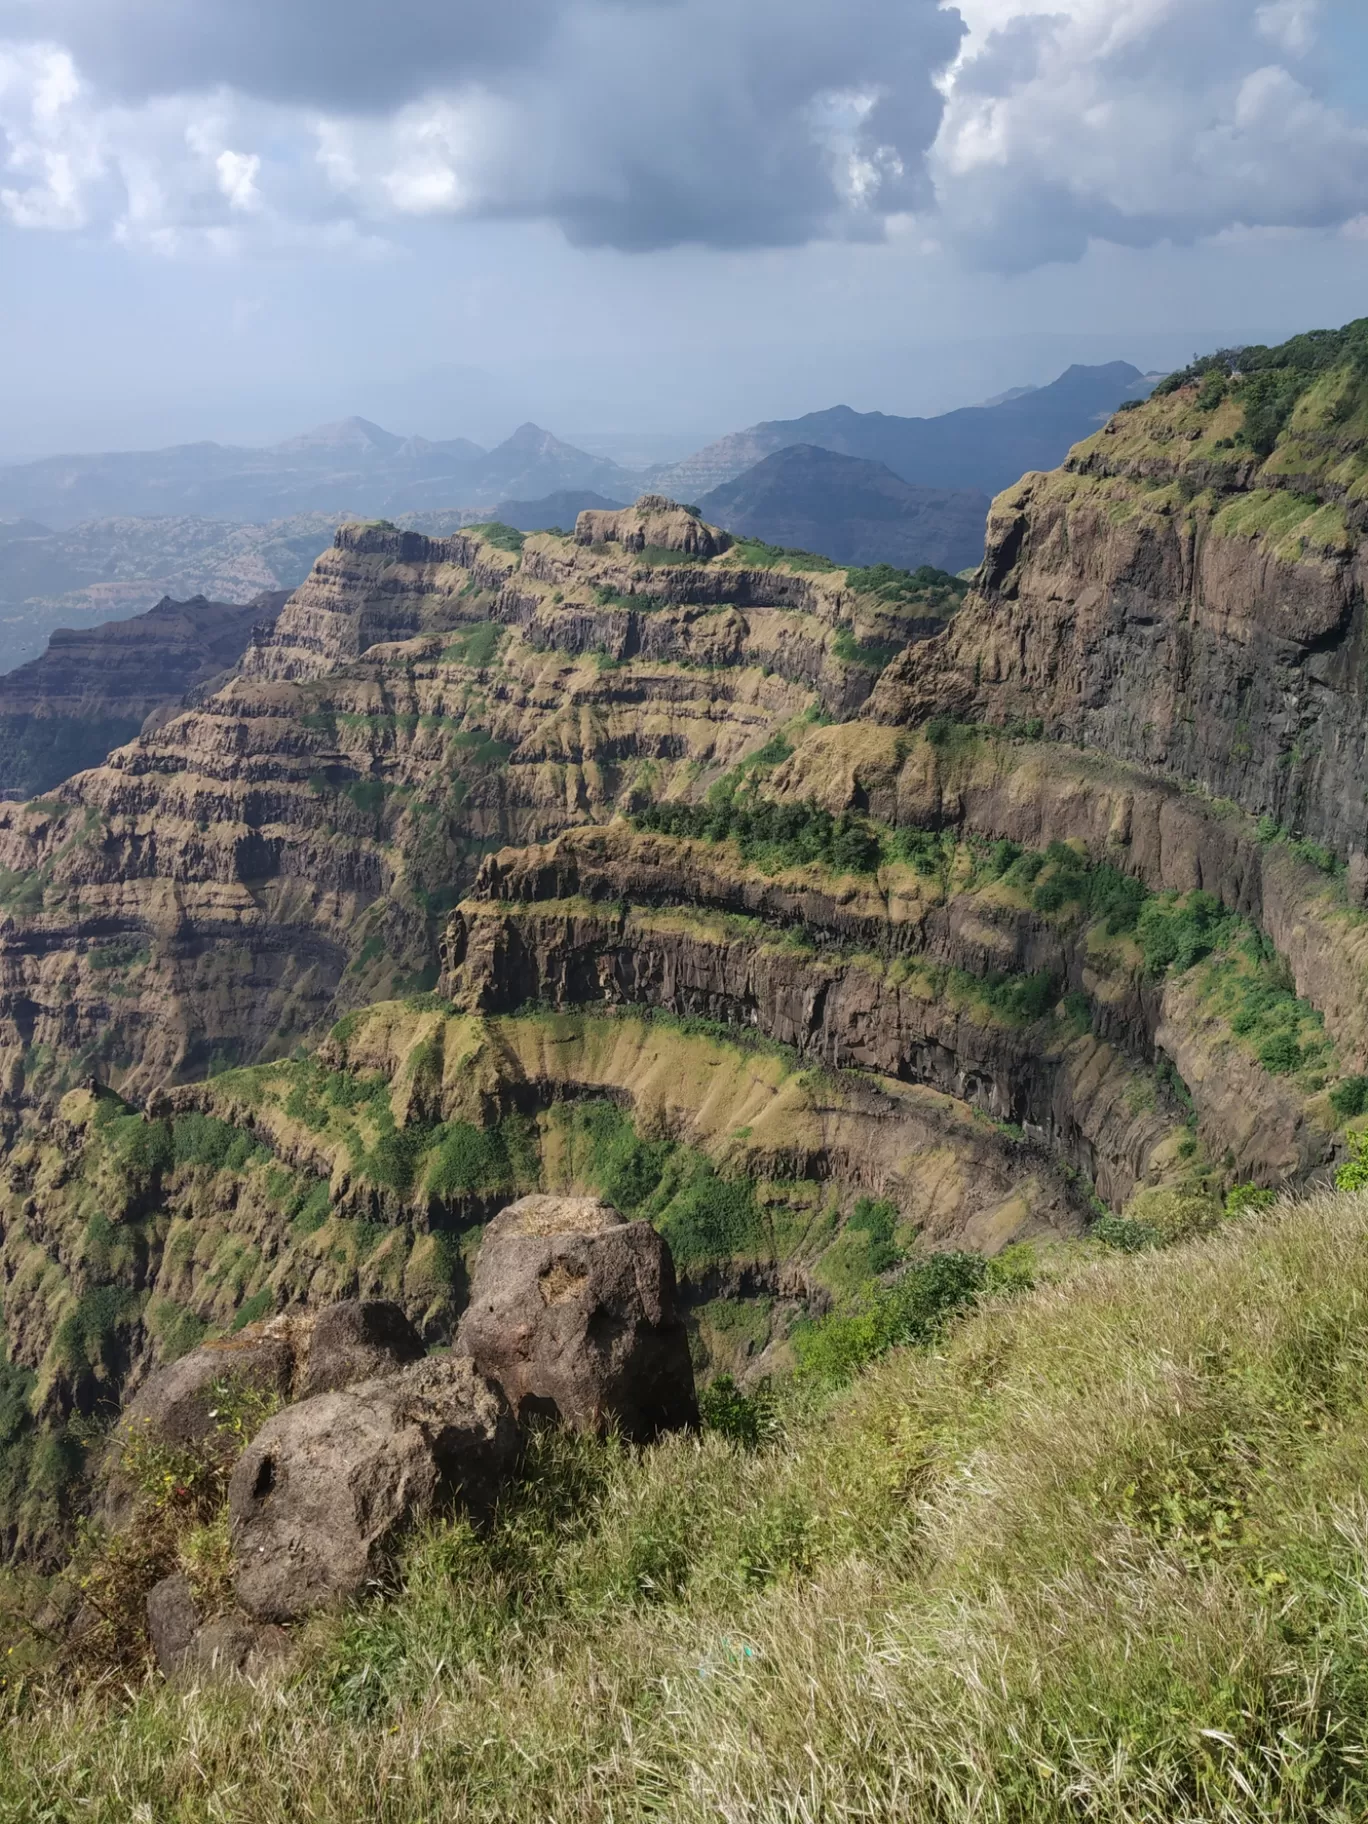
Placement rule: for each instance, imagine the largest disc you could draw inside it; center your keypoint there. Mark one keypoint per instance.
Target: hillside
(853, 511)
(983, 448)
(94, 688)
(1129, 1496)
(921, 962)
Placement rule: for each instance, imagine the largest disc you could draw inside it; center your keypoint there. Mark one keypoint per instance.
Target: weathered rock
(179, 1405)
(324, 1490)
(224, 1647)
(173, 1621)
(572, 1312)
(359, 1339)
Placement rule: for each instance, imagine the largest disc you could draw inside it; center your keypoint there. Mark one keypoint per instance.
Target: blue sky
(208, 231)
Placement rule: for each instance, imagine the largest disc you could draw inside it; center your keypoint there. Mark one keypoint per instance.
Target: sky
(647, 222)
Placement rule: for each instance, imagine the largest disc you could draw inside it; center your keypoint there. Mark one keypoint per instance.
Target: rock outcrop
(323, 1492)
(356, 1340)
(1173, 600)
(572, 1311)
(96, 687)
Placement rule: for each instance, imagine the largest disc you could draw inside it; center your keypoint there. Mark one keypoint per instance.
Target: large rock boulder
(198, 1404)
(572, 1312)
(358, 1340)
(181, 1404)
(321, 1494)
(217, 1394)
(188, 1647)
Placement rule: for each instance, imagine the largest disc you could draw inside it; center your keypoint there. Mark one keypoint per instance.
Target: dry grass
(1105, 1556)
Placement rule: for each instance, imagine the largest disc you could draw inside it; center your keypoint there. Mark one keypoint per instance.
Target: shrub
(912, 1310)
(744, 1418)
(1126, 1234)
(772, 835)
(1350, 1097)
(1177, 932)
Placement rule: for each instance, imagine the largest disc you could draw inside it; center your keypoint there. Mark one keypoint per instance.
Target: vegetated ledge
(1025, 1003)
(1001, 785)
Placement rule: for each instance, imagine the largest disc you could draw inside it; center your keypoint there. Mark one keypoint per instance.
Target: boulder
(227, 1646)
(173, 1621)
(321, 1494)
(181, 1405)
(358, 1340)
(178, 1404)
(572, 1312)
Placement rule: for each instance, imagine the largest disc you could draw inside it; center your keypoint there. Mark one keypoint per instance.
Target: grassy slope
(1100, 1556)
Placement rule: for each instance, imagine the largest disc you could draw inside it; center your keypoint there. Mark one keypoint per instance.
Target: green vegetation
(771, 836)
(503, 538)
(766, 557)
(640, 603)
(1095, 1555)
(869, 655)
(477, 645)
(702, 1215)
(933, 592)
(1270, 382)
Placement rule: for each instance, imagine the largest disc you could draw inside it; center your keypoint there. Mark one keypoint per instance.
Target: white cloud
(237, 176)
(1135, 121)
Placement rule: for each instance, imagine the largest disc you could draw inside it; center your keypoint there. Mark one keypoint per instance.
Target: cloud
(630, 123)
(1135, 121)
(1011, 133)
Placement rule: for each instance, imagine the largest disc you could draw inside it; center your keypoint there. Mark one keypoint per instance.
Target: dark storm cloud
(351, 54)
(631, 123)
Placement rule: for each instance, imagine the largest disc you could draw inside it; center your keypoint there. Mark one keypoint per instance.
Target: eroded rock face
(572, 1312)
(653, 521)
(322, 1493)
(1217, 639)
(359, 1339)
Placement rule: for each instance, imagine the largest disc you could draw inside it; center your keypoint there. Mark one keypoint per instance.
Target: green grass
(1100, 1554)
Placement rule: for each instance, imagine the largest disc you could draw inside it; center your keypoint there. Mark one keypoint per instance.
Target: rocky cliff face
(95, 687)
(1175, 600)
(804, 913)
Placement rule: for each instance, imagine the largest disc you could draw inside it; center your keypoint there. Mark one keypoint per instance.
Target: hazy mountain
(854, 511)
(983, 447)
(352, 465)
(561, 509)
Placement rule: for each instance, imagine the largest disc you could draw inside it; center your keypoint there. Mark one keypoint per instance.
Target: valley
(881, 938)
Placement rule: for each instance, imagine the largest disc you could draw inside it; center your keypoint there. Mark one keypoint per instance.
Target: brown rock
(178, 1406)
(357, 1340)
(227, 1646)
(173, 1621)
(572, 1312)
(322, 1493)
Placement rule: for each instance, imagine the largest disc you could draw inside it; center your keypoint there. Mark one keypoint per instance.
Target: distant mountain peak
(347, 434)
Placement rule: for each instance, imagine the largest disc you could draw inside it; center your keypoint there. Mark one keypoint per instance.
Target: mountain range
(356, 467)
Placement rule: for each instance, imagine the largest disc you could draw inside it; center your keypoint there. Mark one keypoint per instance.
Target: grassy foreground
(1103, 1555)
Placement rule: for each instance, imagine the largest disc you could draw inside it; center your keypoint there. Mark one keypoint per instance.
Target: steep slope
(1187, 594)
(297, 836)
(982, 448)
(853, 511)
(94, 688)
(797, 901)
